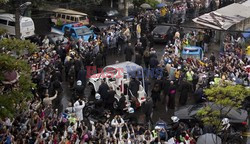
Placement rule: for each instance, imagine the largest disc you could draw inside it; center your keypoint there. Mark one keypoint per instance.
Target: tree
(226, 97)
(13, 97)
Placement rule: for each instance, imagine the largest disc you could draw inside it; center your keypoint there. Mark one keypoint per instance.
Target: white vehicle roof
(11, 17)
(128, 67)
(67, 11)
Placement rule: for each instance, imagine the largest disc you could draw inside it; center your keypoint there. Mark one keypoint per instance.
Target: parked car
(161, 33)
(105, 15)
(237, 117)
(97, 28)
(118, 77)
(54, 37)
(74, 30)
(192, 52)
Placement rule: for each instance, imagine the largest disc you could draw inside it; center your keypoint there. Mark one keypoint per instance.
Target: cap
(79, 82)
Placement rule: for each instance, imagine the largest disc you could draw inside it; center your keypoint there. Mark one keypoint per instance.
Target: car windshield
(185, 56)
(83, 31)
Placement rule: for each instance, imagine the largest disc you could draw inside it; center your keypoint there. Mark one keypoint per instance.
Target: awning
(224, 18)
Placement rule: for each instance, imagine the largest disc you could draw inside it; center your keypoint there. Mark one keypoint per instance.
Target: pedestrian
(185, 88)
(171, 93)
(129, 52)
(138, 58)
(78, 106)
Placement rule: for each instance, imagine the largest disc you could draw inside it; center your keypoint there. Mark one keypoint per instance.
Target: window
(59, 15)
(63, 16)
(3, 21)
(72, 19)
(83, 18)
(27, 24)
(11, 23)
(68, 18)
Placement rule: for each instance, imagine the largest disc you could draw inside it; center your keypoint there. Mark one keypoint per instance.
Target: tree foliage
(226, 98)
(13, 98)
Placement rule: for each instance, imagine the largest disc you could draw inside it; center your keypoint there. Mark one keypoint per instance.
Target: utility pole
(17, 20)
(125, 7)
(17, 23)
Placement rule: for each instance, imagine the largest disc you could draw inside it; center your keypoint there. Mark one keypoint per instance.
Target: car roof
(127, 67)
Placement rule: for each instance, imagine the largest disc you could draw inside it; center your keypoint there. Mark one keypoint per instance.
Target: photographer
(117, 121)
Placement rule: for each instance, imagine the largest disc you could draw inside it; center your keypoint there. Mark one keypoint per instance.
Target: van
(192, 52)
(63, 16)
(27, 27)
(118, 76)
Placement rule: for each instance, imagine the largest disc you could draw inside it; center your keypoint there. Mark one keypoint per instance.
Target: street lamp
(17, 18)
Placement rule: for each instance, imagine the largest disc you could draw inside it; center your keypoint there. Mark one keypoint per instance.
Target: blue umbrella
(160, 5)
(246, 34)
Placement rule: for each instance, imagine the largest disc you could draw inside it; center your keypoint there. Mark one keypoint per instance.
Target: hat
(97, 96)
(175, 119)
(79, 82)
(131, 110)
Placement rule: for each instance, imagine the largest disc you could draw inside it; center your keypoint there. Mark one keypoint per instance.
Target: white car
(118, 77)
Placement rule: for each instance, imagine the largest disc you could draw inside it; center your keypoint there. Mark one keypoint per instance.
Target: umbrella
(177, 2)
(160, 5)
(246, 34)
(146, 6)
(209, 138)
(10, 77)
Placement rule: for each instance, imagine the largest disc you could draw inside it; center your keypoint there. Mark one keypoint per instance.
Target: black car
(161, 33)
(105, 15)
(188, 114)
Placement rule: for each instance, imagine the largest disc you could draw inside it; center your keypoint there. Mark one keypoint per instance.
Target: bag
(172, 92)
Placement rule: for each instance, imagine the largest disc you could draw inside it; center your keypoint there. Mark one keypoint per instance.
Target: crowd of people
(47, 121)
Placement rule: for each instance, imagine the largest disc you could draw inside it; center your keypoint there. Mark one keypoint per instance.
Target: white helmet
(131, 110)
(97, 96)
(225, 121)
(79, 82)
(175, 119)
(211, 83)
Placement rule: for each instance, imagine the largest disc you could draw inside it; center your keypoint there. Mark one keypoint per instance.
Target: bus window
(77, 19)
(11, 23)
(72, 18)
(59, 15)
(68, 18)
(83, 18)
(3, 21)
(63, 16)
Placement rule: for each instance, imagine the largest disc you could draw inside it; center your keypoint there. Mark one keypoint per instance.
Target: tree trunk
(125, 7)
(17, 23)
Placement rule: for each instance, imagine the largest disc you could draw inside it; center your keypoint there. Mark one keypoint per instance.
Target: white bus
(64, 16)
(27, 27)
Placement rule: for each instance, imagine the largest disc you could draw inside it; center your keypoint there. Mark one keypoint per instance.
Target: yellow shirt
(163, 11)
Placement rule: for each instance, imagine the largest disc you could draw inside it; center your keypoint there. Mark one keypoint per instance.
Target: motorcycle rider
(226, 129)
